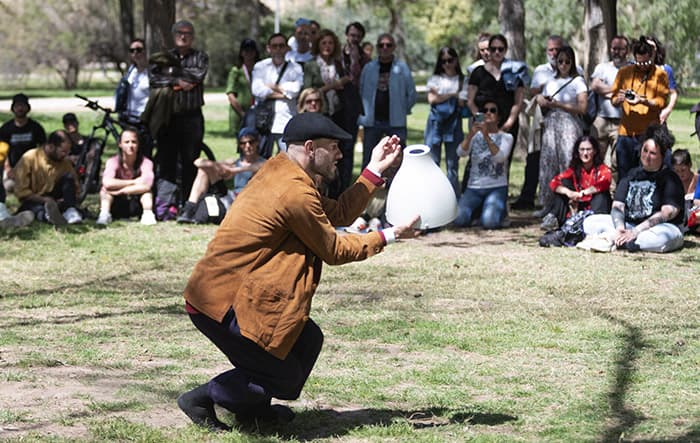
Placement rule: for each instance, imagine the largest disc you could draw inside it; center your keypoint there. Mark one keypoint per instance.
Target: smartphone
(479, 117)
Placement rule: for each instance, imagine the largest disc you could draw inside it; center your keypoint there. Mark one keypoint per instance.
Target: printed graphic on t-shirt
(640, 199)
(485, 164)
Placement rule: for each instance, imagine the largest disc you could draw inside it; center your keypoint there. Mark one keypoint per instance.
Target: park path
(68, 104)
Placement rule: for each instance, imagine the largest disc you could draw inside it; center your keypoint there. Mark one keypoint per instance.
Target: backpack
(570, 233)
(210, 209)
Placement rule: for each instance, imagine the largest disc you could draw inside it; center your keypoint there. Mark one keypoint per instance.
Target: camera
(630, 95)
(479, 117)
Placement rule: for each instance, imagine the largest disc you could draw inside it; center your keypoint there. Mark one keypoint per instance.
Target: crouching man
(251, 293)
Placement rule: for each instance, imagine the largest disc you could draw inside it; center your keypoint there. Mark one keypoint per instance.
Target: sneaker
(72, 216)
(358, 226)
(53, 214)
(540, 213)
(549, 222)
(374, 225)
(148, 218)
(4, 213)
(104, 218)
(596, 243)
(188, 212)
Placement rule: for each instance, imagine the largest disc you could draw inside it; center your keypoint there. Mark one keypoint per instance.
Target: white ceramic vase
(420, 188)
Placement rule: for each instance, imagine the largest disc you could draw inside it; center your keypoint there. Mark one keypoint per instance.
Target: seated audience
(647, 213)
(46, 183)
(584, 185)
(127, 182)
(228, 176)
(683, 166)
(488, 148)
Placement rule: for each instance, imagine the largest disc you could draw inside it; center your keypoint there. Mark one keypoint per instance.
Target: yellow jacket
(35, 173)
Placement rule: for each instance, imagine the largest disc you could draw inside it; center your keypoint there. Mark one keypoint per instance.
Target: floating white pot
(420, 188)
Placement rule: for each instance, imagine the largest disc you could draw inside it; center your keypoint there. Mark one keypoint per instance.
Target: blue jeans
(373, 134)
(451, 160)
(664, 237)
(491, 201)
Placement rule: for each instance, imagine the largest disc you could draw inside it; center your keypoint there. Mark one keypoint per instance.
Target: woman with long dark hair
(238, 84)
(444, 124)
(584, 185)
(563, 100)
(126, 183)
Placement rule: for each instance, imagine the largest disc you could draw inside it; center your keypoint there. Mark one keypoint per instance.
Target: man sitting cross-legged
(228, 176)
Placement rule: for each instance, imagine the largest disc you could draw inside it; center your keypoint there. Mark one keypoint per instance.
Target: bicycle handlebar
(93, 104)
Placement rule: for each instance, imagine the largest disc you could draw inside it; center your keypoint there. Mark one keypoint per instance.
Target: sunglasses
(490, 110)
(497, 49)
(136, 50)
(386, 45)
(312, 100)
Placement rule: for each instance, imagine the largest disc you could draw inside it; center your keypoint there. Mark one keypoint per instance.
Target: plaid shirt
(193, 69)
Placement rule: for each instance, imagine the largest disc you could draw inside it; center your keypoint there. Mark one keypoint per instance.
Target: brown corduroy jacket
(265, 259)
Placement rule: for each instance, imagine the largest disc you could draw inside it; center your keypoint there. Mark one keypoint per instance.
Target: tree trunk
(158, 18)
(600, 24)
(511, 16)
(126, 19)
(396, 29)
(69, 75)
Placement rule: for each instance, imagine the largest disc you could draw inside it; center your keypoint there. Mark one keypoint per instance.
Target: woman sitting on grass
(585, 184)
(487, 178)
(647, 213)
(126, 183)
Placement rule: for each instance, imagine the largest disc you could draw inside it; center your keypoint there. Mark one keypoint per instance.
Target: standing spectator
(127, 182)
(584, 185)
(502, 80)
(353, 58)
(541, 75)
(486, 192)
(17, 136)
(647, 212)
(641, 90)
(607, 120)
(180, 139)
(46, 182)
(481, 52)
(238, 84)
(302, 37)
(659, 57)
(310, 100)
(564, 99)
(229, 176)
(139, 87)
(388, 94)
(444, 120)
(278, 83)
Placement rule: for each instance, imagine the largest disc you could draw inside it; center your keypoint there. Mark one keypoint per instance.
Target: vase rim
(416, 150)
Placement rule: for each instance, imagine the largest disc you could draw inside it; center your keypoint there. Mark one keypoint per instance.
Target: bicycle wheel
(90, 180)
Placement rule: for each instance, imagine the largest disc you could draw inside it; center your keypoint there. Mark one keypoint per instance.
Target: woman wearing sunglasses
(444, 121)
(563, 100)
(501, 79)
(488, 149)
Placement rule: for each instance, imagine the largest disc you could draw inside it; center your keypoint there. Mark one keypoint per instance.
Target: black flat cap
(312, 125)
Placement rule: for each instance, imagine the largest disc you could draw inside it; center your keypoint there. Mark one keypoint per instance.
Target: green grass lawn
(460, 335)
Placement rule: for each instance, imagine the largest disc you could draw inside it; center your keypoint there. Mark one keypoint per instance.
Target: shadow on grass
(328, 423)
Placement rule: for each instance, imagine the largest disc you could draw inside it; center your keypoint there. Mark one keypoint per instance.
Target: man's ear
(309, 147)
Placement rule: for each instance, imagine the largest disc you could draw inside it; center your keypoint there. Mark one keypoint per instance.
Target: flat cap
(311, 126)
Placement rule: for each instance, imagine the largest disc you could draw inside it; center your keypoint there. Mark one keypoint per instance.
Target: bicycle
(90, 159)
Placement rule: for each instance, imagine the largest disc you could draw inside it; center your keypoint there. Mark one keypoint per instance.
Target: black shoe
(199, 407)
(521, 204)
(188, 212)
(268, 414)
(631, 246)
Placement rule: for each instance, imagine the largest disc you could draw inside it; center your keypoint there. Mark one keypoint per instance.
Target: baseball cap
(312, 125)
(302, 21)
(69, 118)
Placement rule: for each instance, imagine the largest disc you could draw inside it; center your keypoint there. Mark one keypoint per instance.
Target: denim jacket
(513, 73)
(402, 93)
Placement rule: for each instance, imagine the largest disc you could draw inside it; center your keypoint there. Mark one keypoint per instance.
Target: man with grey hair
(182, 135)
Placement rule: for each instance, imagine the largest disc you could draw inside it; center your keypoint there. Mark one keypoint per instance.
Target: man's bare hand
(408, 230)
(385, 153)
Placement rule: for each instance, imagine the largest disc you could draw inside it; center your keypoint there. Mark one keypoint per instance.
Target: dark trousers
(64, 194)
(532, 177)
(258, 375)
(601, 203)
(181, 140)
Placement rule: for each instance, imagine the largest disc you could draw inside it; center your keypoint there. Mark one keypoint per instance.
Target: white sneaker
(374, 225)
(358, 226)
(4, 213)
(104, 218)
(596, 243)
(148, 218)
(72, 216)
